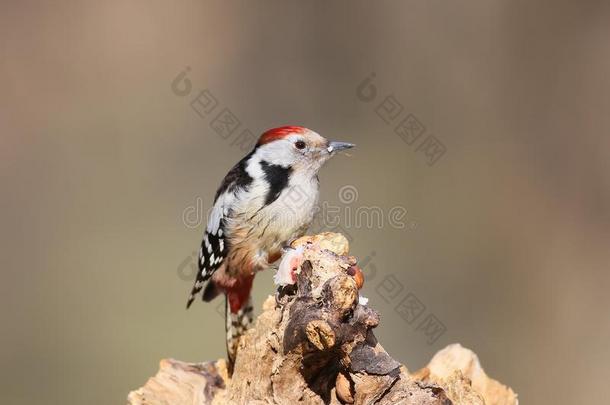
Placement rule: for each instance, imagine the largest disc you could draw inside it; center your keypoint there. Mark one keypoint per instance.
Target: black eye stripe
(299, 144)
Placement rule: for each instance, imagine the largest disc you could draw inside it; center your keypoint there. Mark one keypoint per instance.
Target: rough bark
(314, 344)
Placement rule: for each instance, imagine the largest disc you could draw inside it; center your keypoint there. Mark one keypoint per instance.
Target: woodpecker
(266, 200)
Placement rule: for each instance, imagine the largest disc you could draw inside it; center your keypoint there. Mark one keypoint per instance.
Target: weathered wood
(314, 344)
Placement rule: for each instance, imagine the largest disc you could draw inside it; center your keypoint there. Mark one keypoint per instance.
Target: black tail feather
(210, 291)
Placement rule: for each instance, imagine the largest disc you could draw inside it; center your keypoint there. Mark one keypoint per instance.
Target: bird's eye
(299, 144)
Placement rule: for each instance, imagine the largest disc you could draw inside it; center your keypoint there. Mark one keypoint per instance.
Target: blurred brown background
(508, 233)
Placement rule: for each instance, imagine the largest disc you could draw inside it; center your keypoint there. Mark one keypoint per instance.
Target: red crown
(278, 133)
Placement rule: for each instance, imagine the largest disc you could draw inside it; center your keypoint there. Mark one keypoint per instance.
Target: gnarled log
(314, 344)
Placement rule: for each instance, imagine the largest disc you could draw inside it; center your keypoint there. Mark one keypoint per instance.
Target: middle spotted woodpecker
(265, 201)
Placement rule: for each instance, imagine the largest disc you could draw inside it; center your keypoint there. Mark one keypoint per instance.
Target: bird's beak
(335, 146)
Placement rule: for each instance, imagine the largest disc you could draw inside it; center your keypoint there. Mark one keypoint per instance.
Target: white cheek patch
(330, 149)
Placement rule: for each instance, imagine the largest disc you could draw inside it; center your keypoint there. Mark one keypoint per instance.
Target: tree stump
(314, 344)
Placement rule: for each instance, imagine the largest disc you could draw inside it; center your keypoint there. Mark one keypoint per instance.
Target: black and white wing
(214, 246)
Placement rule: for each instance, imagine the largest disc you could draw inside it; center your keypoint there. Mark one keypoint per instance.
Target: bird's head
(297, 147)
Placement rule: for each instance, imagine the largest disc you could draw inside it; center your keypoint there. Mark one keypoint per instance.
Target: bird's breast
(262, 232)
